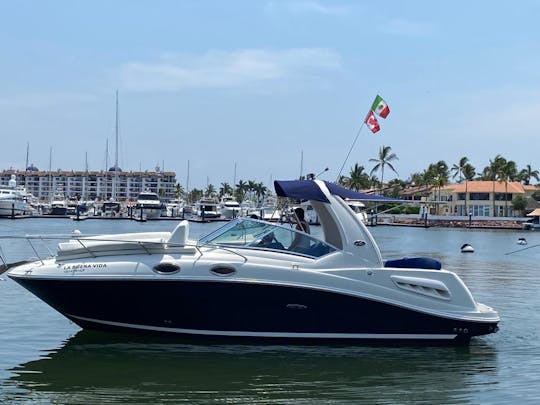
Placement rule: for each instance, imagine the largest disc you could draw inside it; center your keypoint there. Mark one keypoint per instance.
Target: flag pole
(350, 150)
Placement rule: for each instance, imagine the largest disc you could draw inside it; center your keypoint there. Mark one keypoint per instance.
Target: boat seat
(179, 234)
(414, 263)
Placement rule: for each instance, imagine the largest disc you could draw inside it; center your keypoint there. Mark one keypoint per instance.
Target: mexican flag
(380, 107)
(371, 122)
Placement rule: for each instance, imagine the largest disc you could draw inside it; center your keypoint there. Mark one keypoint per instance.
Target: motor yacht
(148, 205)
(175, 207)
(14, 200)
(58, 203)
(207, 208)
(252, 279)
(229, 207)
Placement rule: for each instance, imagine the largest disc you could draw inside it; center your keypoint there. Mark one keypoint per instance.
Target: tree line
(250, 189)
(437, 174)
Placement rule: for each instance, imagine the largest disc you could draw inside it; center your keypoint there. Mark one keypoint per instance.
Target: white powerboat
(266, 213)
(229, 207)
(249, 280)
(148, 205)
(13, 200)
(58, 203)
(359, 208)
(175, 207)
(207, 208)
(110, 209)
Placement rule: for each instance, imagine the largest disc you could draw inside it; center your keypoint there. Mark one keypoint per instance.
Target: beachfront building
(92, 185)
(477, 198)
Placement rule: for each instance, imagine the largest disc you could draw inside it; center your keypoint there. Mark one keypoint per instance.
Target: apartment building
(92, 185)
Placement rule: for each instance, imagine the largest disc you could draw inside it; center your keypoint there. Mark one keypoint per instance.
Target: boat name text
(83, 266)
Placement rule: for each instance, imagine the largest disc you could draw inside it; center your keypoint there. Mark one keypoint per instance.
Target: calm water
(46, 359)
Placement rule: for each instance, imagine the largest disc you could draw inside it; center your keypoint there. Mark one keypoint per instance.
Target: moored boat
(229, 208)
(14, 200)
(207, 208)
(148, 205)
(249, 280)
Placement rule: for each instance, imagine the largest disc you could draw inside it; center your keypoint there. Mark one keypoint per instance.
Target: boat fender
(414, 263)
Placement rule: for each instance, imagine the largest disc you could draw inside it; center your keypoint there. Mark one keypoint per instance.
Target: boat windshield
(255, 234)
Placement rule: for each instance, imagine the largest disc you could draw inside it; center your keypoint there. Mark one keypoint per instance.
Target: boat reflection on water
(101, 367)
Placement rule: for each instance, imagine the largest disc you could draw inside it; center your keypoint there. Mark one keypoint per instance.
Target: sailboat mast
(27, 153)
(116, 132)
(116, 151)
(187, 181)
(106, 166)
(50, 175)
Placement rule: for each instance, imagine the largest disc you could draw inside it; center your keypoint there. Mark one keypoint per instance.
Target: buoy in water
(466, 248)
(522, 241)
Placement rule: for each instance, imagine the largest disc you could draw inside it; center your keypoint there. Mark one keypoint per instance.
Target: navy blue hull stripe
(237, 308)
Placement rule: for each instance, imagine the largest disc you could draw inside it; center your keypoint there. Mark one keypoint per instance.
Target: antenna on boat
(324, 171)
(50, 174)
(301, 163)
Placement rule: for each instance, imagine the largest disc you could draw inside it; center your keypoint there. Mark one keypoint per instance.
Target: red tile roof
(477, 186)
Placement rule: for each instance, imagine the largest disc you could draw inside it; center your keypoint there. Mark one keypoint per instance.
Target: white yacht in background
(229, 207)
(148, 205)
(175, 207)
(58, 203)
(207, 208)
(266, 213)
(359, 209)
(13, 199)
(110, 209)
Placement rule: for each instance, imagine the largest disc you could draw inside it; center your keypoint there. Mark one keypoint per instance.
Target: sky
(257, 85)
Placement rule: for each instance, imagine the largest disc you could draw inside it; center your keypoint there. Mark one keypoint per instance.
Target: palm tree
(210, 190)
(457, 168)
(468, 172)
(241, 189)
(357, 179)
(195, 194)
(528, 173)
(507, 172)
(491, 173)
(342, 180)
(251, 187)
(179, 191)
(438, 177)
(384, 159)
(225, 189)
(260, 191)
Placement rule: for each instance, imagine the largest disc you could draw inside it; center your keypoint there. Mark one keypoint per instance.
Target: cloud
(406, 28)
(222, 69)
(305, 7)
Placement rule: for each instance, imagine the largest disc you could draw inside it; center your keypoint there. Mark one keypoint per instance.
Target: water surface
(44, 358)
